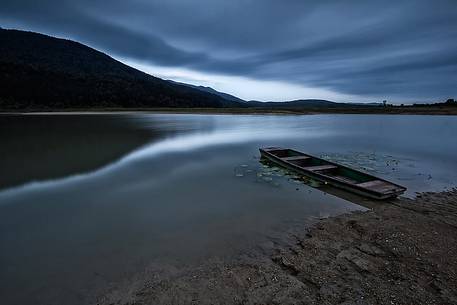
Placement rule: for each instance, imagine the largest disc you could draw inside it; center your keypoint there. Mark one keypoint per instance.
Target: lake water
(88, 200)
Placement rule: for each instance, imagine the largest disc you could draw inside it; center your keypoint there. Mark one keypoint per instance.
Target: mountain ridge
(224, 95)
(44, 72)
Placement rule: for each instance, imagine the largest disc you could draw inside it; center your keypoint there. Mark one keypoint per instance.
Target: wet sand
(399, 252)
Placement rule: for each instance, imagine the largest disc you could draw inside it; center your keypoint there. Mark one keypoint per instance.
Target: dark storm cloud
(72, 20)
(398, 49)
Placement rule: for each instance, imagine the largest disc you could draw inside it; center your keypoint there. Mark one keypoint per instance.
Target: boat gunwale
(335, 182)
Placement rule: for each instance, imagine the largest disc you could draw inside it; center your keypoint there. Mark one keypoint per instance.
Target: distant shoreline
(406, 110)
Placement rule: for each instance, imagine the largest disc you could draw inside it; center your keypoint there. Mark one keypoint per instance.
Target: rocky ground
(400, 252)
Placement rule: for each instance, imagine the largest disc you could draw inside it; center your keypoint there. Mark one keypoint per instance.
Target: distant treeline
(448, 103)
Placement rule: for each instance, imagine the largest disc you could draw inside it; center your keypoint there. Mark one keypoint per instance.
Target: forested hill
(43, 72)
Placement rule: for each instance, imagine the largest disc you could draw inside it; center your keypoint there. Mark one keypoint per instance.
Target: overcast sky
(268, 49)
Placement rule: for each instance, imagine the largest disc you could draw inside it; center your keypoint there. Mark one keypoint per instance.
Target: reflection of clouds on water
(200, 140)
(314, 134)
(169, 145)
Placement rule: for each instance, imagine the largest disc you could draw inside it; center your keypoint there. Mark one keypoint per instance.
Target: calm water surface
(88, 200)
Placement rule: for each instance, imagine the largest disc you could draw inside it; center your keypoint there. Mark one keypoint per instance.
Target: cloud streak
(402, 50)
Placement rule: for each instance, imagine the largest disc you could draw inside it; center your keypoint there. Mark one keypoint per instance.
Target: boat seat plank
(320, 167)
(344, 179)
(369, 184)
(378, 185)
(273, 148)
(293, 158)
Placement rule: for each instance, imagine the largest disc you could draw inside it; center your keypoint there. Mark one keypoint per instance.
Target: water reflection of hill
(38, 147)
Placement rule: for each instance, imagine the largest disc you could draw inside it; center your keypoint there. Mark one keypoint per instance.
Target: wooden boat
(332, 173)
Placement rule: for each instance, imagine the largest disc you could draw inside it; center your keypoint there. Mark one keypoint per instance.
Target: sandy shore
(399, 252)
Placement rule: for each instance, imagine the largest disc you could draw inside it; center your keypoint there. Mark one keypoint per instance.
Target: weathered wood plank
(370, 184)
(320, 167)
(378, 185)
(295, 158)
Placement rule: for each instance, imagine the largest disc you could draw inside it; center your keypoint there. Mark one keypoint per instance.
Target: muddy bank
(400, 252)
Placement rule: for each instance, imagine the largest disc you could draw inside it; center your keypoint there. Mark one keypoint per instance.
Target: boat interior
(327, 169)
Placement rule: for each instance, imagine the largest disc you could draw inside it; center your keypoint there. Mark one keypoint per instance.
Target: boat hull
(318, 176)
